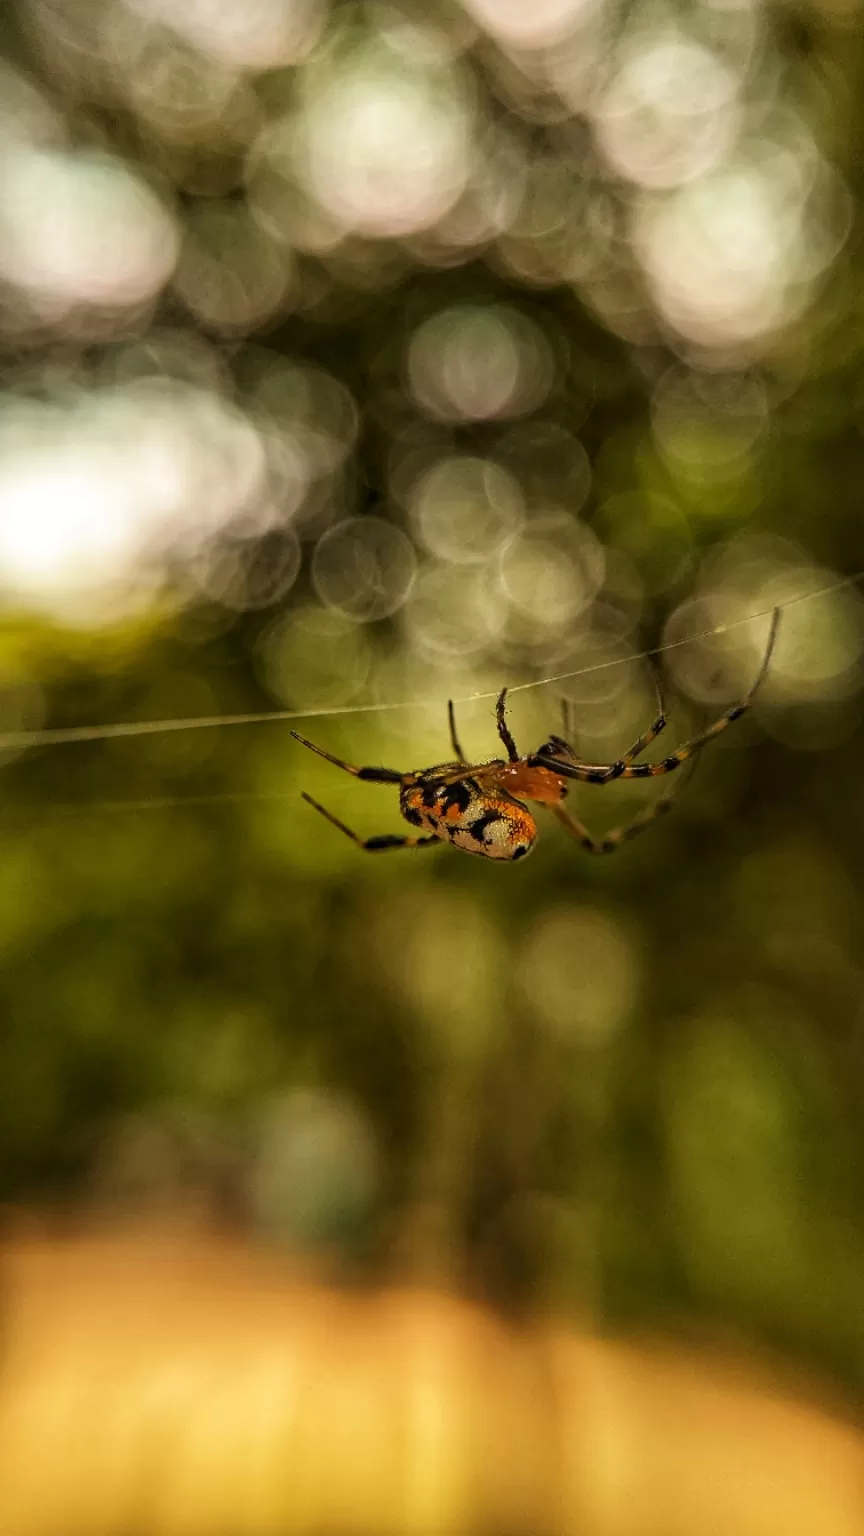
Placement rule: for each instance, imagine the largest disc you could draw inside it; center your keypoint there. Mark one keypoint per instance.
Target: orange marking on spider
(480, 807)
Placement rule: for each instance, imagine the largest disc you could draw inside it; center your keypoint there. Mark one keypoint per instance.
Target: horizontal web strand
(63, 735)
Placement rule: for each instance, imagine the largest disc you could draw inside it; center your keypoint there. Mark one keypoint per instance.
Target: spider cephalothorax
(480, 807)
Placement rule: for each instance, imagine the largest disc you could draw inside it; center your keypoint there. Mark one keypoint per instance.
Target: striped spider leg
(611, 840)
(370, 776)
(466, 804)
(568, 764)
(480, 807)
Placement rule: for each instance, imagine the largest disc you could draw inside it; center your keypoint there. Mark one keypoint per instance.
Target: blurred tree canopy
(365, 356)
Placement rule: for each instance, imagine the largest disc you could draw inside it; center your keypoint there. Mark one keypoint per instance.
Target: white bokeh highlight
(78, 227)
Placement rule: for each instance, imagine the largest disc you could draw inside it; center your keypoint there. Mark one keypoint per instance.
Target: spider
(480, 807)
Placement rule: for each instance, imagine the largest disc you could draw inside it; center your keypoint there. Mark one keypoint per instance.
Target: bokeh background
(370, 355)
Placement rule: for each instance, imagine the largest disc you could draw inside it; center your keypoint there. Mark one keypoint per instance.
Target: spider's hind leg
(368, 844)
(613, 840)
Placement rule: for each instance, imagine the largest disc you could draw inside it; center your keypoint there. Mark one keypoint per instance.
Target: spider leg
(504, 729)
(681, 754)
(372, 775)
(654, 729)
(613, 770)
(613, 840)
(369, 844)
(625, 768)
(454, 739)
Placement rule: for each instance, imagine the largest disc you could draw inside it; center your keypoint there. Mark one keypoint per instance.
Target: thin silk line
(58, 736)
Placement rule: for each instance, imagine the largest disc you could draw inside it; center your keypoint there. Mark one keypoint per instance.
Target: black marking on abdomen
(478, 827)
(460, 794)
(412, 815)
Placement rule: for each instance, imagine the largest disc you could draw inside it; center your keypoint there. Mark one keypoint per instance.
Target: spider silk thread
(67, 735)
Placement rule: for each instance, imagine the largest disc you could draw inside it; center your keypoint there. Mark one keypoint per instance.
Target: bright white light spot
(385, 151)
(65, 513)
(80, 228)
(718, 255)
(259, 34)
(669, 114)
(94, 496)
(530, 23)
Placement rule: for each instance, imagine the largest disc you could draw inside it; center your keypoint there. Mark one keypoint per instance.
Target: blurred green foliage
(629, 1088)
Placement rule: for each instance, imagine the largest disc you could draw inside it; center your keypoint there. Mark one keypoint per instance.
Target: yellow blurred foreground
(180, 1387)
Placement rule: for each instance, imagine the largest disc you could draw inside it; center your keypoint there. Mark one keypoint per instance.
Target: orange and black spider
(480, 807)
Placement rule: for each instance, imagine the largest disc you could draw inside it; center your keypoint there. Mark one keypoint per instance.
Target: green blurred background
(376, 354)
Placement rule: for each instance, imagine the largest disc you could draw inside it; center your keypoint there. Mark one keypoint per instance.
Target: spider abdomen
(475, 820)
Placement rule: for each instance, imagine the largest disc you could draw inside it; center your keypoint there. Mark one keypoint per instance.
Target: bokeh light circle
(230, 274)
(707, 425)
(519, 25)
(364, 568)
(550, 463)
(469, 363)
(669, 114)
(382, 145)
(552, 570)
(260, 34)
(312, 657)
(248, 574)
(465, 509)
(453, 612)
(82, 228)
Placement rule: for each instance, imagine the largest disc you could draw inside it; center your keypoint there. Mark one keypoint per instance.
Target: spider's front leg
(454, 738)
(559, 754)
(625, 768)
(503, 728)
(371, 775)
